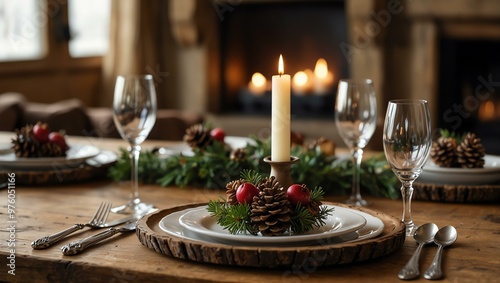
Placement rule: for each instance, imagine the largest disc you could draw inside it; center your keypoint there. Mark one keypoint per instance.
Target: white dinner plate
(170, 225)
(490, 174)
(104, 157)
(76, 154)
(340, 222)
(184, 149)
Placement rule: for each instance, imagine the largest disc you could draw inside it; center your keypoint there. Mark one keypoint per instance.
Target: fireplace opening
(469, 89)
(306, 33)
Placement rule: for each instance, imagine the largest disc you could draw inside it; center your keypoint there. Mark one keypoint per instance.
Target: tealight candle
(280, 115)
(323, 79)
(258, 84)
(300, 82)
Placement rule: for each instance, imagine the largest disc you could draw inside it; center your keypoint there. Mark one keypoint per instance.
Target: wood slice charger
(151, 235)
(457, 193)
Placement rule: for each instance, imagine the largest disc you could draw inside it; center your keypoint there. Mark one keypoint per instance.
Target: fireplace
(469, 88)
(306, 33)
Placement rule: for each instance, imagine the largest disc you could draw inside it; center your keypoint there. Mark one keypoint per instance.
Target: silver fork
(97, 221)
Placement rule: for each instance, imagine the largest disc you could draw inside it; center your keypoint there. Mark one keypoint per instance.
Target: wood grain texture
(457, 193)
(43, 210)
(323, 254)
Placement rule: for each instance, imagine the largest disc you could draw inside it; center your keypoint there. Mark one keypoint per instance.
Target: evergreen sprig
(317, 194)
(251, 176)
(213, 168)
(303, 221)
(234, 218)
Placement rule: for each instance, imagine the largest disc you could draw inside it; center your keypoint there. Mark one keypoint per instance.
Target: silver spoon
(444, 237)
(423, 235)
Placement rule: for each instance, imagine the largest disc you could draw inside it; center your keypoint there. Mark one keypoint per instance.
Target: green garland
(213, 168)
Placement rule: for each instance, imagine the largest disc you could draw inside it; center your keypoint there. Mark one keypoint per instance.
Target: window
(22, 24)
(89, 27)
(24, 28)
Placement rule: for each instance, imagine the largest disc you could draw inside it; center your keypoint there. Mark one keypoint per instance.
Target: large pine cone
(197, 136)
(26, 145)
(443, 151)
(271, 211)
(231, 188)
(470, 153)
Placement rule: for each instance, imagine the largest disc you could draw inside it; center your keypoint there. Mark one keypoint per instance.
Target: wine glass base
(410, 229)
(134, 208)
(356, 201)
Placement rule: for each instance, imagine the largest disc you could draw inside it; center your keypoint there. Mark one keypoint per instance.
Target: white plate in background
(76, 154)
(490, 174)
(184, 149)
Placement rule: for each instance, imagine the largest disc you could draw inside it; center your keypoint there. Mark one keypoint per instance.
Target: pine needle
(251, 176)
(234, 218)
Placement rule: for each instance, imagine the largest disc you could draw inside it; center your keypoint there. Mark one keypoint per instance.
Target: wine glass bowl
(356, 120)
(407, 140)
(134, 114)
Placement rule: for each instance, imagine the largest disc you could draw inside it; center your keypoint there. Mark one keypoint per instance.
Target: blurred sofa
(77, 119)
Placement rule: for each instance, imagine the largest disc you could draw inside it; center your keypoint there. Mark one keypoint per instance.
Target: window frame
(57, 57)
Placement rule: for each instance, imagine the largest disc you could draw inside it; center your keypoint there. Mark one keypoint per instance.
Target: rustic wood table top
(42, 210)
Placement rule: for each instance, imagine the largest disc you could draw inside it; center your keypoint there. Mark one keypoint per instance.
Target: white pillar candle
(280, 119)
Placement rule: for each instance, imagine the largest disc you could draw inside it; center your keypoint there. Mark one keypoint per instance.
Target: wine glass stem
(134, 159)
(357, 154)
(406, 193)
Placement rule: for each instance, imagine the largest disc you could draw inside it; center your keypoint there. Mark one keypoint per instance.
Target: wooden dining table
(32, 211)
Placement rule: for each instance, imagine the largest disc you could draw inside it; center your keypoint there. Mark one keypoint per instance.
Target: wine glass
(134, 114)
(356, 120)
(407, 142)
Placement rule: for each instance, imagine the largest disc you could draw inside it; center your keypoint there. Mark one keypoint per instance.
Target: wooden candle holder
(281, 170)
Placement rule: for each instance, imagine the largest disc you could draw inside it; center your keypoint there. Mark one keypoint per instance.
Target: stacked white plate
(76, 155)
(343, 225)
(490, 174)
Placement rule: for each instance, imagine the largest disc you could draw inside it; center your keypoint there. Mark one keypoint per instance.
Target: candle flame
(281, 69)
(258, 80)
(321, 69)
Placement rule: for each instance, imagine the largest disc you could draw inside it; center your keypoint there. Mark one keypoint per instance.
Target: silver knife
(48, 241)
(74, 248)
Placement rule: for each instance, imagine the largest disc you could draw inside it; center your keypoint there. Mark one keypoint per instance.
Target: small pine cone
(27, 146)
(197, 136)
(231, 188)
(443, 151)
(470, 153)
(314, 207)
(325, 145)
(238, 154)
(296, 139)
(271, 211)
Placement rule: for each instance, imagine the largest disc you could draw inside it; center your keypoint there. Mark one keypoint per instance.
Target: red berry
(41, 132)
(58, 139)
(218, 134)
(246, 192)
(297, 193)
